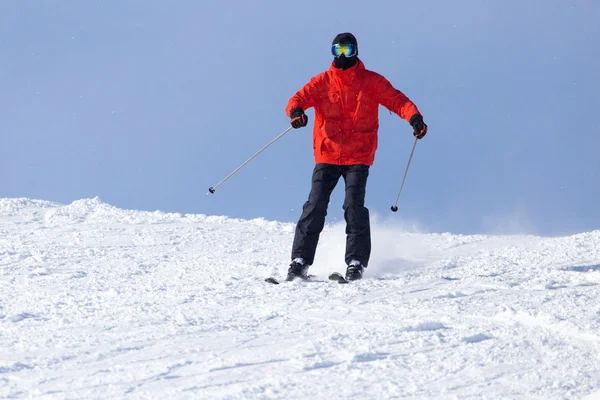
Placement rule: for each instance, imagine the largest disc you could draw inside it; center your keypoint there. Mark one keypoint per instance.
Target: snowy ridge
(99, 302)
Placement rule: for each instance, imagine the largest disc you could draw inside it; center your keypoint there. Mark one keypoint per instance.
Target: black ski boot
(298, 269)
(354, 271)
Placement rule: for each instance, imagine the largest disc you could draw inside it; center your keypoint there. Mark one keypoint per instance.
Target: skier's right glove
(298, 118)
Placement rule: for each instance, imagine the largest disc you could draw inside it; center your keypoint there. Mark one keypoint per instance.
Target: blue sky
(148, 103)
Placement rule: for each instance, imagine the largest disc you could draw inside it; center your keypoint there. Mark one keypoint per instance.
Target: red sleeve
(393, 99)
(305, 97)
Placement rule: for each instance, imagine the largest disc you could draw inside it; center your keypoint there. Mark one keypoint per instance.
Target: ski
(339, 278)
(275, 281)
(336, 276)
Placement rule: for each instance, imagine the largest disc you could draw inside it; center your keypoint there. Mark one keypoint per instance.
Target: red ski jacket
(346, 106)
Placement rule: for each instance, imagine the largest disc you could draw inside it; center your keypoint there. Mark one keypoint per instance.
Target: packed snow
(100, 302)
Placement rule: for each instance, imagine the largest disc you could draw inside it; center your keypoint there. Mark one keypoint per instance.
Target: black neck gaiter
(344, 63)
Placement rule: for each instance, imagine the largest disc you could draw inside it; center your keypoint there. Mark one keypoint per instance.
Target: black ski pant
(358, 231)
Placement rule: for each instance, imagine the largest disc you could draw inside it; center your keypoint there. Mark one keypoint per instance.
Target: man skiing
(346, 99)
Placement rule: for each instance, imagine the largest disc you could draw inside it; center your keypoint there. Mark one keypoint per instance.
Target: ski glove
(298, 118)
(419, 127)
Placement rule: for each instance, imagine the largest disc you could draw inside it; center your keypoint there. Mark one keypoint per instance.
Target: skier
(346, 98)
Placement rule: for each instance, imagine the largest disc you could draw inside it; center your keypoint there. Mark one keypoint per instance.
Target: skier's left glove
(297, 118)
(419, 127)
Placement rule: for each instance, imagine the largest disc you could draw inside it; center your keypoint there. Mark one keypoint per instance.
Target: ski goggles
(340, 49)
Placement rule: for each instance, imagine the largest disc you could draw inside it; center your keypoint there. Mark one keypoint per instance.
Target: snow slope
(98, 302)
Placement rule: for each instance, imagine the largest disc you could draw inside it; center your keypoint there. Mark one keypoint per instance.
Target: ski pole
(213, 188)
(395, 206)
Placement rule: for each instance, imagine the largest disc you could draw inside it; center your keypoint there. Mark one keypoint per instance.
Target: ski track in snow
(99, 302)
